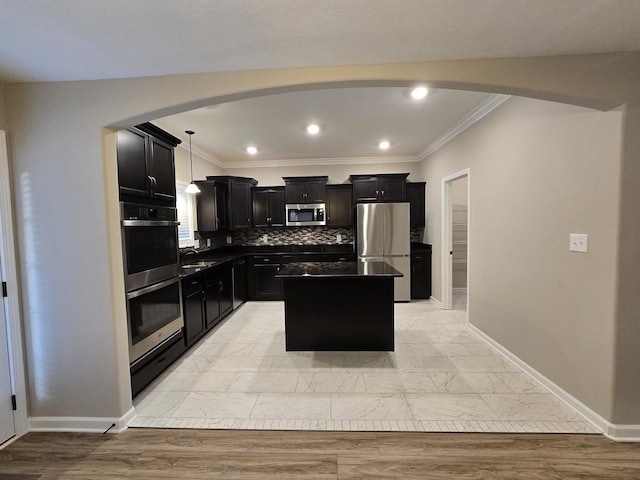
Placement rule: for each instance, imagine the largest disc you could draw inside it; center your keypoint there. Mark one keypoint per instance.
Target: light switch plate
(338, 238)
(229, 240)
(578, 242)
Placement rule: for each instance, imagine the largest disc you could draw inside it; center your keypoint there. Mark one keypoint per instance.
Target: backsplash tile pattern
(293, 236)
(416, 234)
(276, 236)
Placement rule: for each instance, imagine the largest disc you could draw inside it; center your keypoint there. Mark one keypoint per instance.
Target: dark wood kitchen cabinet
(416, 197)
(301, 190)
(146, 164)
(261, 278)
(339, 206)
(218, 295)
(211, 206)
(268, 206)
(421, 272)
(193, 308)
(239, 207)
(388, 187)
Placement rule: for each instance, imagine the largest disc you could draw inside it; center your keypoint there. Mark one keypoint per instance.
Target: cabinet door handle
(383, 193)
(150, 178)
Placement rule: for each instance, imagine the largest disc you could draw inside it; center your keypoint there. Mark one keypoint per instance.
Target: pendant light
(192, 187)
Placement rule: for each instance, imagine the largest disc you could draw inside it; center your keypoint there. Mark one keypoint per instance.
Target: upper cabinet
(415, 196)
(238, 200)
(339, 206)
(305, 189)
(268, 206)
(211, 206)
(146, 165)
(388, 187)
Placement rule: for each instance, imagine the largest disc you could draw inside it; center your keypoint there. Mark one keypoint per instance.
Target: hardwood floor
(146, 454)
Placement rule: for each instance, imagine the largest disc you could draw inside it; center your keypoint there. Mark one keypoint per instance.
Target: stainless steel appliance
(154, 315)
(309, 214)
(383, 234)
(149, 244)
(151, 265)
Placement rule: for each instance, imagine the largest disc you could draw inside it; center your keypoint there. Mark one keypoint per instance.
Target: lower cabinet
(206, 299)
(261, 278)
(193, 308)
(421, 274)
(147, 370)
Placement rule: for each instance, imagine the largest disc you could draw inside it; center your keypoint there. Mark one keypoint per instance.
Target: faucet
(187, 252)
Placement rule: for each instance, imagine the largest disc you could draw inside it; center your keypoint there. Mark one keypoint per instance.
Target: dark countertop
(337, 269)
(206, 259)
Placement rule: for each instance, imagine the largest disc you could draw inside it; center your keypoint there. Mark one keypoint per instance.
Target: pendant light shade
(192, 187)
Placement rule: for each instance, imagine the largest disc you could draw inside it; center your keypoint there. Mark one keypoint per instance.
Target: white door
(7, 425)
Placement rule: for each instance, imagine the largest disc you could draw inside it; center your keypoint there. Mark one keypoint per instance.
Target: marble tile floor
(440, 378)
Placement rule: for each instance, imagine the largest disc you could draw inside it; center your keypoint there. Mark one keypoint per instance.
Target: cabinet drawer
(145, 372)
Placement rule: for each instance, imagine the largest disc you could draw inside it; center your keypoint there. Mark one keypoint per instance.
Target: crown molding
(483, 109)
(205, 156)
(296, 162)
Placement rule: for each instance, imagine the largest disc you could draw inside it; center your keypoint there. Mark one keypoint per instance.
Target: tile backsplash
(279, 236)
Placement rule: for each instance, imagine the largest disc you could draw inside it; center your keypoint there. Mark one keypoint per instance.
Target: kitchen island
(333, 306)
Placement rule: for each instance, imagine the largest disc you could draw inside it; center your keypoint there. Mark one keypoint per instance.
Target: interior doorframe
(447, 238)
(9, 274)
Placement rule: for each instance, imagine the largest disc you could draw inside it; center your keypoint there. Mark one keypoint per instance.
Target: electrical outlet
(196, 243)
(208, 242)
(264, 238)
(338, 238)
(229, 240)
(578, 242)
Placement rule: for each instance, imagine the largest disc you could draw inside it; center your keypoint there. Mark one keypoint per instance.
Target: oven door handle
(152, 288)
(149, 223)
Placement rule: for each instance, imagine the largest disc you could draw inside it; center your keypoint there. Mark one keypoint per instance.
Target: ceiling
(57, 40)
(62, 40)
(352, 120)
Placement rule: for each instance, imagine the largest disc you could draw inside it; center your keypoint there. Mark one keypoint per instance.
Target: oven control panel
(135, 211)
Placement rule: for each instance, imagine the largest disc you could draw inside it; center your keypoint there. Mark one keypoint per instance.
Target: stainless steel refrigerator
(383, 234)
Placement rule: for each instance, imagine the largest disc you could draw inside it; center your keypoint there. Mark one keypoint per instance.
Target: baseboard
(459, 291)
(436, 301)
(619, 433)
(82, 424)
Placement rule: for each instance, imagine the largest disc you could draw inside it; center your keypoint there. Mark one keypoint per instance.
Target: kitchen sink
(199, 264)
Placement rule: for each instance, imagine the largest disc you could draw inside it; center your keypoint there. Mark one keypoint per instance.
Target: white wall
(540, 171)
(4, 122)
(201, 166)
(62, 173)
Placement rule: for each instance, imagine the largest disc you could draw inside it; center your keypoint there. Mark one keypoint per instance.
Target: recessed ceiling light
(419, 93)
(251, 150)
(384, 145)
(313, 129)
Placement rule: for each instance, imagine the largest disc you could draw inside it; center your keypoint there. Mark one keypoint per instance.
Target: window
(185, 204)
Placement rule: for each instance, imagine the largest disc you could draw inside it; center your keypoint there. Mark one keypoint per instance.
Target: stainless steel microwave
(301, 215)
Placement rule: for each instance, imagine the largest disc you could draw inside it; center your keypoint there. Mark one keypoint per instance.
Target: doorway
(455, 240)
(13, 398)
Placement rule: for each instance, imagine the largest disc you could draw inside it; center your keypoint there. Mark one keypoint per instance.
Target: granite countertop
(337, 269)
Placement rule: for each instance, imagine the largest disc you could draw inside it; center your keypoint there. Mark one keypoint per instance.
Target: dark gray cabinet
(339, 206)
(421, 272)
(218, 294)
(238, 207)
(388, 187)
(211, 206)
(416, 198)
(193, 308)
(146, 165)
(301, 190)
(261, 277)
(268, 206)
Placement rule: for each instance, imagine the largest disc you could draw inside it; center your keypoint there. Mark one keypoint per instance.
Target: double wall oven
(151, 265)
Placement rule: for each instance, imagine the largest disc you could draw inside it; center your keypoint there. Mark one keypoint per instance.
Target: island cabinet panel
(339, 206)
(146, 164)
(261, 278)
(211, 206)
(416, 198)
(268, 206)
(336, 314)
(301, 190)
(389, 187)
